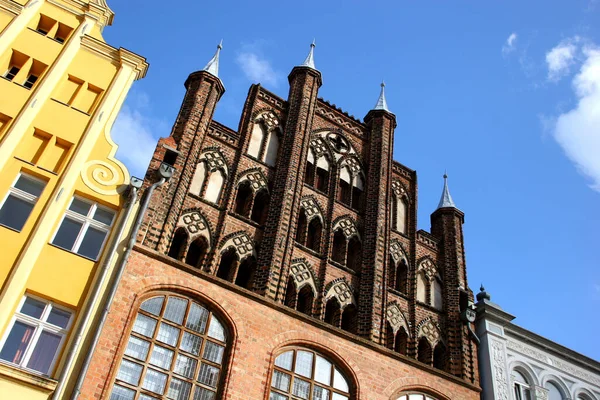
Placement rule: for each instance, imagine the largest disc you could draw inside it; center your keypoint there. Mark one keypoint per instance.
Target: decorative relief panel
(396, 318)
(257, 180)
(243, 244)
(430, 330)
(399, 189)
(556, 362)
(196, 225)
(214, 160)
(397, 252)
(428, 267)
(341, 290)
(302, 274)
(348, 227)
(104, 178)
(311, 207)
(319, 147)
(500, 373)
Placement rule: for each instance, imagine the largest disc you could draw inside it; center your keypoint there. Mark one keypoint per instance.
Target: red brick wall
(260, 328)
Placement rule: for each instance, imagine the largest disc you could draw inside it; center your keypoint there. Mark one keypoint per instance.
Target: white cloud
(561, 58)
(510, 44)
(136, 133)
(256, 67)
(578, 130)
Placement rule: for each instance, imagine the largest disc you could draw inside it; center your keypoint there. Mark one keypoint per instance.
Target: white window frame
(87, 221)
(20, 194)
(40, 325)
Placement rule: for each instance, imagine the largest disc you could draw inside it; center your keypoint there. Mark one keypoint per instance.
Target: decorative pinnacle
(213, 65)
(446, 200)
(310, 58)
(381, 102)
(483, 295)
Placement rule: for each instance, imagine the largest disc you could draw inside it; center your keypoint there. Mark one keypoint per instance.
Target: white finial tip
(220, 45)
(314, 43)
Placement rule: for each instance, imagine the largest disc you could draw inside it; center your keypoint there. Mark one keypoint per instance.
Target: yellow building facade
(62, 192)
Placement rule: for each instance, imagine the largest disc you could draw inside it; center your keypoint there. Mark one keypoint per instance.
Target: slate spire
(381, 101)
(446, 200)
(310, 58)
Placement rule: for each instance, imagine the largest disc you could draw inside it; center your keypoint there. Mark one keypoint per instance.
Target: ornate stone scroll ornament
(342, 292)
(499, 367)
(104, 178)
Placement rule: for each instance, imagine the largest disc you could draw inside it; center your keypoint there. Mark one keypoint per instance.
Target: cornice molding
(11, 7)
(116, 56)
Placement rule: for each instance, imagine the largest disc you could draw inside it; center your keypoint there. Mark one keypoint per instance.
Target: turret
(381, 124)
(181, 150)
(278, 239)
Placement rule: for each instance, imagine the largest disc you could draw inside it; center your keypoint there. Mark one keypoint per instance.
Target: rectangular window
(84, 228)
(20, 201)
(45, 24)
(87, 99)
(31, 79)
(11, 67)
(36, 335)
(69, 90)
(12, 72)
(63, 32)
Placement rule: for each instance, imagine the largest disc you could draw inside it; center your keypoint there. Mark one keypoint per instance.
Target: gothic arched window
(402, 277)
(260, 207)
(399, 214)
(437, 300)
(323, 166)
(338, 252)
(421, 287)
(272, 149)
(345, 189)
(228, 265)
(264, 144)
(214, 186)
(259, 132)
(196, 252)
(178, 244)
(243, 199)
(177, 349)
(358, 186)
(301, 228)
(424, 353)
(439, 356)
(354, 257)
(415, 396)
(305, 374)
(401, 342)
(309, 171)
(313, 235)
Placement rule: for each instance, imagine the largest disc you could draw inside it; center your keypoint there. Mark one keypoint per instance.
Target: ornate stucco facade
(516, 362)
(61, 189)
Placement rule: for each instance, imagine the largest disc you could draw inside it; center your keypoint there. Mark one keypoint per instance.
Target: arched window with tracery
(421, 287)
(209, 177)
(354, 256)
(322, 178)
(177, 349)
(260, 208)
(338, 252)
(301, 228)
(401, 342)
(358, 186)
(437, 299)
(305, 374)
(264, 144)
(228, 265)
(521, 386)
(399, 214)
(259, 132)
(214, 187)
(313, 235)
(439, 356)
(246, 273)
(345, 186)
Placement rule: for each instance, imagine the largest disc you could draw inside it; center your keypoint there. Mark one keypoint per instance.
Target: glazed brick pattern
(301, 117)
(259, 328)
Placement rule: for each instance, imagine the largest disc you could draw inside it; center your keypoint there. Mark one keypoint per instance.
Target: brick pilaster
(377, 223)
(279, 233)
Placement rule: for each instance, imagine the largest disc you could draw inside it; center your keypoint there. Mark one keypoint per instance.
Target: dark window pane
(203, 394)
(80, 207)
(213, 352)
(208, 375)
(14, 212)
(67, 234)
(191, 343)
(32, 307)
(29, 185)
(59, 317)
(104, 216)
(122, 393)
(92, 243)
(175, 310)
(153, 305)
(16, 343)
(197, 318)
(179, 390)
(44, 352)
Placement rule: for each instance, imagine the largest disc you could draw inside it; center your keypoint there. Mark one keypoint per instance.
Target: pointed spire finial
(483, 295)
(310, 58)
(213, 65)
(381, 102)
(446, 200)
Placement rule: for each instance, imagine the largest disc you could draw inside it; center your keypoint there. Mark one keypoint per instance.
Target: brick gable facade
(286, 260)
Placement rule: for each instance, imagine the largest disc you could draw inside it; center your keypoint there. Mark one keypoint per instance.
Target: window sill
(11, 228)
(398, 293)
(76, 254)
(246, 220)
(326, 194)
(28, 377)
(71, 107)
(342, 267)
(400, 233)
(429, 307)
(309, 250)
(349, 207)
(260, 161)
(210, 203)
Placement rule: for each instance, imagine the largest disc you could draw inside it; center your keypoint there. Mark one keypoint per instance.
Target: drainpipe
(133, 191)
(165, 172)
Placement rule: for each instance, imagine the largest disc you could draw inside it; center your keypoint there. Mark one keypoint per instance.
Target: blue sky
(504, 95)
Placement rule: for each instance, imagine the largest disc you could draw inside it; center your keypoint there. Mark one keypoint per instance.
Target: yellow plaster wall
(19, 390)
(4, 20)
